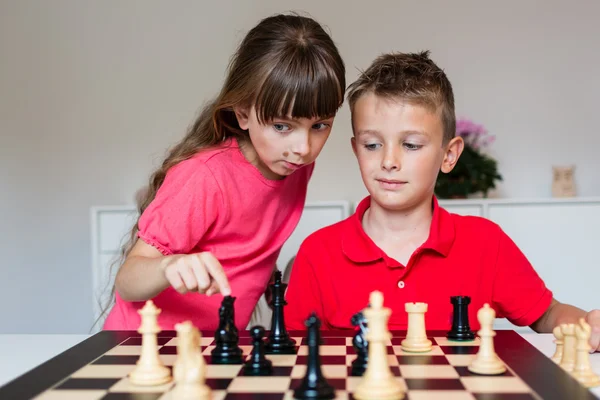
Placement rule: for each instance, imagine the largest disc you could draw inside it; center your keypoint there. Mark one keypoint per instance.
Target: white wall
(91, 94)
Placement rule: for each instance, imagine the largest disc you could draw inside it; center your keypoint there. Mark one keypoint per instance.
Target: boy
(399, 241)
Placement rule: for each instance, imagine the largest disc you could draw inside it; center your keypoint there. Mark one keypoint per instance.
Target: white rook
(416, 337)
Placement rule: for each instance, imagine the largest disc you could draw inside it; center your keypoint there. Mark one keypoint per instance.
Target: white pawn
(569, 347)
(378, 382)
(558, 354)
(583, 370)
(487, 361)
(416, 338)
(189, 370)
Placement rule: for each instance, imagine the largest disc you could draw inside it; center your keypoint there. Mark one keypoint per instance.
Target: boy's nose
(390, 161)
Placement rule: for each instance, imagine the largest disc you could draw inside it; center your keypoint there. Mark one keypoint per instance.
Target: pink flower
(474, 135)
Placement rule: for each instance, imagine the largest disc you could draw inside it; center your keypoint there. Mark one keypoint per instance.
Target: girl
(226, 198)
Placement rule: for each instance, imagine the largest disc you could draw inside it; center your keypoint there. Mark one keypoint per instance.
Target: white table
(21, 353)
(545, 344)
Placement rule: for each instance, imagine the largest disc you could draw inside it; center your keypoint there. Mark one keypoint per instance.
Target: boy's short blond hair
(410, 77)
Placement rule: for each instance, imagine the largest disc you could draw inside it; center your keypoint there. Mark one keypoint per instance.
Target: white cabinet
(110, 231)
(559, 236)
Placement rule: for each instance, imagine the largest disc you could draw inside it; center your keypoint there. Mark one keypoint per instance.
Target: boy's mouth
(391, 183)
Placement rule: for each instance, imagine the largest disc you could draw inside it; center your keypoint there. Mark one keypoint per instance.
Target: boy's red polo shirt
(338, 267)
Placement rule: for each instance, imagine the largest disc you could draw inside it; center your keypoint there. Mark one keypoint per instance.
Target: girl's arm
(146, 272)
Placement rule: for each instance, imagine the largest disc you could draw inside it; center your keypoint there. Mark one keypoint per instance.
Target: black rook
(461, 331)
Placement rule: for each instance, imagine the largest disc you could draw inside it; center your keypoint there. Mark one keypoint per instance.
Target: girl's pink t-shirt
(218, 202)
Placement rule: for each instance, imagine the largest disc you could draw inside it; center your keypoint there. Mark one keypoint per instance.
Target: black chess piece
(258, 364)
(361, 345)
(279, 341)
(461, 331)
(226, 349)
(314, 385)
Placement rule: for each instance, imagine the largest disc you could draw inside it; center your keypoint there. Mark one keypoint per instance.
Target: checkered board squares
(441, 373)
(97, 368)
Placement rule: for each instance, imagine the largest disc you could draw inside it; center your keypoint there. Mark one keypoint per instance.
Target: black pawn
(361, 345)
(314, 385)
(258, 364)
(279, 341)
(226, 349)
(461, 331)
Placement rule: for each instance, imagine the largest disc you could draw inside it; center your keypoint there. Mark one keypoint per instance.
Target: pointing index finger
(215, 269)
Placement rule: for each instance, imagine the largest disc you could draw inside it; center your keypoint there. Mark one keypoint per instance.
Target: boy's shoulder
(474, 221)
(328, 235)
(475, 229)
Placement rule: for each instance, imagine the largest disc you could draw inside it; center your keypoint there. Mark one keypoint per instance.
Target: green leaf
(474, 172)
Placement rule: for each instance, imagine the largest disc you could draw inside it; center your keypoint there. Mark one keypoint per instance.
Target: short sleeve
(519, 292)
(184, 209)
(302, 296)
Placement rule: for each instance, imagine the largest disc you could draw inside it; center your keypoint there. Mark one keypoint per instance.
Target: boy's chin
(397, 203)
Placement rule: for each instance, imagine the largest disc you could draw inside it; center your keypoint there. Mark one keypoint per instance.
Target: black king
(279, 341)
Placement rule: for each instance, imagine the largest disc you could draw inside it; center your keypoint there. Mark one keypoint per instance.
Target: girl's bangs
(306, 88)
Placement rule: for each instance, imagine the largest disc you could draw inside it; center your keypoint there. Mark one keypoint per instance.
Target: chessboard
(98, 368)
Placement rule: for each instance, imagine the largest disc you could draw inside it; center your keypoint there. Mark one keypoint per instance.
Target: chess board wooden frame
(441, 373)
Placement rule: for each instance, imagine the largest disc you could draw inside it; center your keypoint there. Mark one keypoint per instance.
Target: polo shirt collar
(360, 248)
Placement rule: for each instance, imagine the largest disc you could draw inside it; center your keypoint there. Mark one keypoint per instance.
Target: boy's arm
(522, 296)
(519, 293)
(303, 294)
(560, 313)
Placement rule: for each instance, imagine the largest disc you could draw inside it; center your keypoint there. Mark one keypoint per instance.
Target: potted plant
(475, 171)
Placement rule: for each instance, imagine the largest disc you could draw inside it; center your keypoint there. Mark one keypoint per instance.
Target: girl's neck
(250, 154)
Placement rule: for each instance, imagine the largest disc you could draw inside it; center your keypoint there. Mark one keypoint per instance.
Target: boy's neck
(407, 229)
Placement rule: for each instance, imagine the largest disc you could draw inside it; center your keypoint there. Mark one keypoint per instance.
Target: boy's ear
(353, 142)
(241, 113)
(453, 151)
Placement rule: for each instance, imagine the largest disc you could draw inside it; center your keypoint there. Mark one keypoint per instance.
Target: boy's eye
(412, 146)
(372, 146)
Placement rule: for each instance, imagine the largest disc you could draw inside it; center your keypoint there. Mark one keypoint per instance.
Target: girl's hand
(200, 272)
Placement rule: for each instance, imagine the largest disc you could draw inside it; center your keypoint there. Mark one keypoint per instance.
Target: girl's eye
(411, 146)
(281, 127)
(320, 126)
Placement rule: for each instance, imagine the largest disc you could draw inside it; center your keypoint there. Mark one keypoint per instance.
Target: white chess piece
(487, 361)
(583, 371)
(378, 382)
(416, 337)
(558, 354)
(189, 370)
(149, 370)
(569, 347)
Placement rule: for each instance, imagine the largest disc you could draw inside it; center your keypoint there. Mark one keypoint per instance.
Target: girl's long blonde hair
(287, 64)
